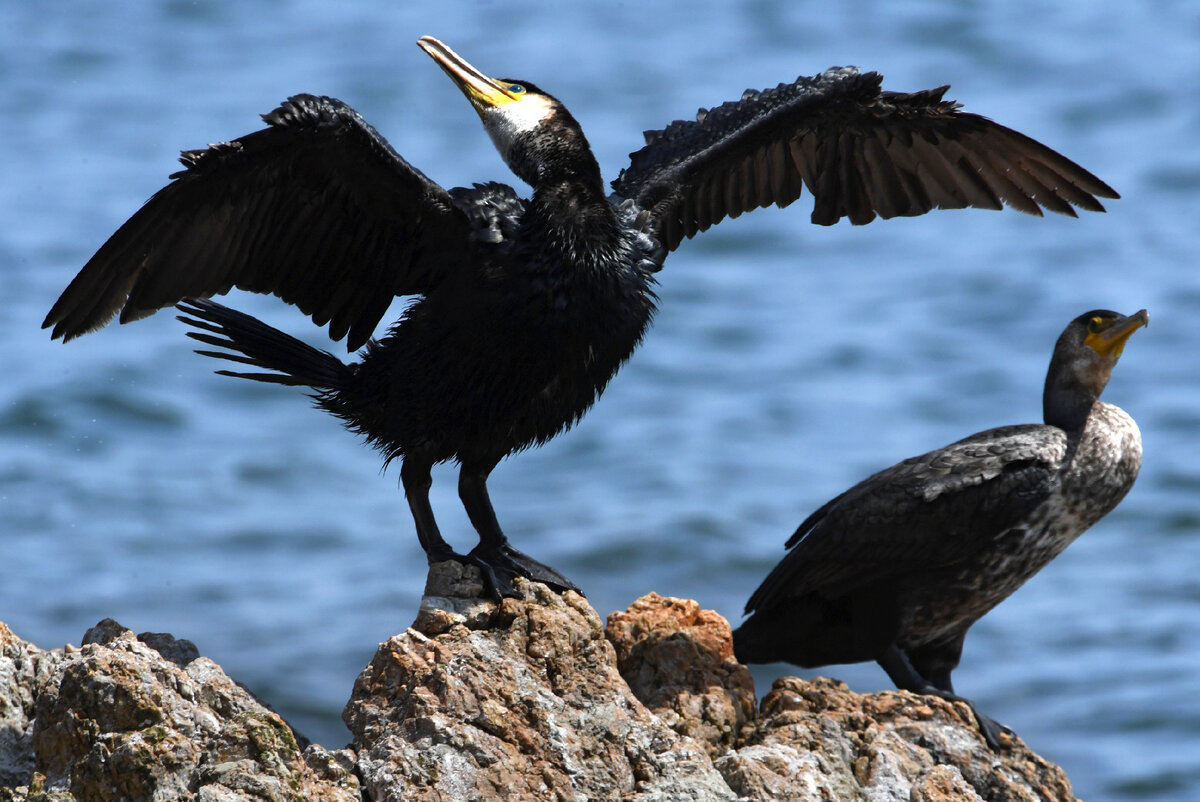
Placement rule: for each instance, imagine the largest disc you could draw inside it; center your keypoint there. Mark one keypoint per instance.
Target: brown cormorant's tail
(806, 632)
(257, 344)
(757, 640)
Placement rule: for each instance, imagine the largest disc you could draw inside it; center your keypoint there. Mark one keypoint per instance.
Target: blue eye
(516, 89)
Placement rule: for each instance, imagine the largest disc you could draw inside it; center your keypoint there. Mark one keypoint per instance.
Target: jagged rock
(23, 668)
(479, 700)
(820, 740)
(678, 660)
(116, 719)
(517, 700)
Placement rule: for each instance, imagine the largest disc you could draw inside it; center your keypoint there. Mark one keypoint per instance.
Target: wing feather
(775, 167)
(317, 209)
(935, 509)
(862, 152)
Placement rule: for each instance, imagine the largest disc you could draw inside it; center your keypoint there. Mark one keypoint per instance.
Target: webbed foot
(989, 728)
(501, 564)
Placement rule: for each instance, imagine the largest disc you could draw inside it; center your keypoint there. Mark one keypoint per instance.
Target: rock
(812, 740)
(453, 595)
(23, 668)
(115, 719)
(517, 700)
(820, 740)
(678, 660)
(525, 699)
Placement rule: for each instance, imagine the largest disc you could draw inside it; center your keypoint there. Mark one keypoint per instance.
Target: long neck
(569, 211)
(1066, 402)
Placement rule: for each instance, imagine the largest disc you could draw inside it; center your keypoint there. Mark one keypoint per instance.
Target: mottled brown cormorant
(526, 307)
(898, 567)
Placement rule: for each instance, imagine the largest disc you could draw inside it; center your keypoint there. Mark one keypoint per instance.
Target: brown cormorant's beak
(1107, 338)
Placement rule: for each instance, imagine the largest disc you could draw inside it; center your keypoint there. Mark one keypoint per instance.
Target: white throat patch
(505, 123)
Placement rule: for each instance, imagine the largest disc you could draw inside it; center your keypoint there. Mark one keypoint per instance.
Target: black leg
(935, 661)
(417, 481)
(472, 489)
(941, 681)
(500, 561)
(906, 678)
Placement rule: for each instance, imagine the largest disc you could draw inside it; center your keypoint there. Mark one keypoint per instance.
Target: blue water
(788, 361)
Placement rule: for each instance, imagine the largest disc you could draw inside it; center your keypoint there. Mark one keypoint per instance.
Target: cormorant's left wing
(923, 513)
(861, 152)
(317, 209)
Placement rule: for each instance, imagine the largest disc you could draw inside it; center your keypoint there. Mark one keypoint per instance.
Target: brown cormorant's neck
(1066, 402)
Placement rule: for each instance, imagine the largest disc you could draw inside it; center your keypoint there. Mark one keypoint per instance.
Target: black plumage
(526, 307)
(898, 567)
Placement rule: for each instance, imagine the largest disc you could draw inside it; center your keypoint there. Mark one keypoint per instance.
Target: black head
(535, 134)
(1083, 360)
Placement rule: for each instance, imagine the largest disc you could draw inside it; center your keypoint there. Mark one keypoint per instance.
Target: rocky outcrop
(819, 740)
(812, 740)
(678, 660)
(532, 698)
(127, 717)
(119, 719)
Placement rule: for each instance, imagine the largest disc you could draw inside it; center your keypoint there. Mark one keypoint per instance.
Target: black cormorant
(898, 567)
(526, 307)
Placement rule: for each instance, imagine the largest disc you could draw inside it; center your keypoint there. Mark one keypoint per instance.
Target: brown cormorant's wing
(860, 151)
(317, 209)
(921, 514)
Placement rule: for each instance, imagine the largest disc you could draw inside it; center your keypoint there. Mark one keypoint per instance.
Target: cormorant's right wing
(860, 151)
(317, 208)
(925, 512)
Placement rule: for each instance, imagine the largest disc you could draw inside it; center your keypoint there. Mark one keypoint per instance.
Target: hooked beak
(1110, 342)
(483, 92)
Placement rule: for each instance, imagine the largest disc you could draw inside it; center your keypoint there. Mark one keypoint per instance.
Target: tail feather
(806, 631)
(254, 343)
(755, 643)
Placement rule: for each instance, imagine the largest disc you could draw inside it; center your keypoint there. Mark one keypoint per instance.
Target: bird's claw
(989, 728)
(501, 564)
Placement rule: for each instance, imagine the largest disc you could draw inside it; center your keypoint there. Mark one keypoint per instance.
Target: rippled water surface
(787, 362)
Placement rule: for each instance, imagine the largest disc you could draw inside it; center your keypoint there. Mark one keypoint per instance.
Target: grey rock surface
(530, 698)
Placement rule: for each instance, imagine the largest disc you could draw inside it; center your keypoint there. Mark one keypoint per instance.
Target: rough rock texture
(116, 719)
(23, 669)
(812, 740)
(819, 740)
(678, 659)
(519, 700)
(527, 699)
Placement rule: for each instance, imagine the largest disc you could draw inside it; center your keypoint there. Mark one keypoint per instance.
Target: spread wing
(317, 208)
(860, 151)
(928, 511)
